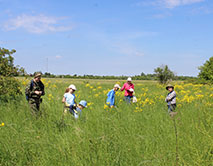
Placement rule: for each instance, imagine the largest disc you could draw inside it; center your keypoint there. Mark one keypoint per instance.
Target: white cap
(72, 87)
(117, 86)
(129, 79)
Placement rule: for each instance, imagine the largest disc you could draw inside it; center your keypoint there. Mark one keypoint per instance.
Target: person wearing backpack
(33, 92)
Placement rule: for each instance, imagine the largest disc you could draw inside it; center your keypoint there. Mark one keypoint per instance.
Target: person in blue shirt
(69, 97)
(76, 110)
(111, 96)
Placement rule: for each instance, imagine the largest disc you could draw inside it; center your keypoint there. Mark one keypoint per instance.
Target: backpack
(26, 91)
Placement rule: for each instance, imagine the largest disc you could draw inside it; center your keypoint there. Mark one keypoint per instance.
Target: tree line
(10, 87)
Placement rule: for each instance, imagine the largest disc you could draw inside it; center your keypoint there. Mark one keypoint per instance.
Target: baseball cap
(72, 87)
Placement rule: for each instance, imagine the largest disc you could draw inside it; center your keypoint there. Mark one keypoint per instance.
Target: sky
(108, 37)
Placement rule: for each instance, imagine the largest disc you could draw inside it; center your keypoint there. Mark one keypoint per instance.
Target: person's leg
(125, 98)
(173, 107)
(128, 99)
(34, 106)
(169, 108)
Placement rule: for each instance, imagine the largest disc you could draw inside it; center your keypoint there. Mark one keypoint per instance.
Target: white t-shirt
(69, 98)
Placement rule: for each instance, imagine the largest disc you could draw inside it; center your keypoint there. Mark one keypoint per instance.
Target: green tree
(206, 71)
(164, 74)
(9, 86)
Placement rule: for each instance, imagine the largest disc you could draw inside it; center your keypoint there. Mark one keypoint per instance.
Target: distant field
(141, 134)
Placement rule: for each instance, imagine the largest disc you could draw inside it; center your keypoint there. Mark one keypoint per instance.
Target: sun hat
(72, 87)
(129, 79)
(83, 103)
(37, 74)
(117, 86)
(169, 86)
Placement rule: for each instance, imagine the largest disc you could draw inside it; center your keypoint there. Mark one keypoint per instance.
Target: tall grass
(121, 136)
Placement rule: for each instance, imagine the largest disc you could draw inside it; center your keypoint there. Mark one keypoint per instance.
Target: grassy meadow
(140, 134)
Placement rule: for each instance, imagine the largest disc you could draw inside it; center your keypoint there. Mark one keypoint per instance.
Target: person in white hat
(111, 96)
(69, 97)
(129, 90)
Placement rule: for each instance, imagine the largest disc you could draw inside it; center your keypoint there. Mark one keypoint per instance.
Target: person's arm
(42, 92)
(112, 99)
(123, 87)
(63, 99)
(171, 96)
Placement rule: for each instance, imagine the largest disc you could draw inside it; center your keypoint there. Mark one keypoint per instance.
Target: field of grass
(140, 134)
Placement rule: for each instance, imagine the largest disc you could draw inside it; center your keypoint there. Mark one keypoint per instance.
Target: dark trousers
(171, 107)
(34, 104)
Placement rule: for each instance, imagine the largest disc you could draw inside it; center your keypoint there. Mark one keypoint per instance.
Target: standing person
(69, 97)
(171, 99)
(34, 91)
(129, 90)
(76, 110)
(111, 96)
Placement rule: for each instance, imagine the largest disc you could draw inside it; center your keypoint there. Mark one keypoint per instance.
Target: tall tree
(164, 74)
(206, 71)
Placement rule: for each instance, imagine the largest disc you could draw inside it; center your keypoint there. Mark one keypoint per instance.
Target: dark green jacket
(34, 86)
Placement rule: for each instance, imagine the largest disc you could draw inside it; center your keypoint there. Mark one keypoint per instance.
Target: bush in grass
(9, 86)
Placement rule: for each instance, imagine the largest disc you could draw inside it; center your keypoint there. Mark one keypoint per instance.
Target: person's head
(116, 87)
(72, 88)
(67, 90)
(129, 80)
(82, 104)
(37, 76)
(170, 88)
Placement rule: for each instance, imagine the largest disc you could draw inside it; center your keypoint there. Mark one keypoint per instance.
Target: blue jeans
(171, 108)
(128, 99)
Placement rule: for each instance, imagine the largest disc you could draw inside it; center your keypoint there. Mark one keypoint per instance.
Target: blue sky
(108, 37)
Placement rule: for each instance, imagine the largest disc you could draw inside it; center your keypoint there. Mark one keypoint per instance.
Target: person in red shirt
(129, 89)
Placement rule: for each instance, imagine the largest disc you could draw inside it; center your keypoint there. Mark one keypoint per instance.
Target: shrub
(164, 74)
(206, 71)
(9, 86)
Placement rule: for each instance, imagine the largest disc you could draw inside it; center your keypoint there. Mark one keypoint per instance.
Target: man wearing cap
(34, 91)
(129, 90)
(171, 98)
(111, 96)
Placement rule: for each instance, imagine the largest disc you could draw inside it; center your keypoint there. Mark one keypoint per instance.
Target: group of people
(35, 89)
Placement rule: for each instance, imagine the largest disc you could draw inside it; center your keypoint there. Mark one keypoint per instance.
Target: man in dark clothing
(34, 91)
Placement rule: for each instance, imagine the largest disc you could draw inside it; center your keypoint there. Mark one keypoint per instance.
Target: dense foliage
(9, 86)
(206, 71)
(164, 74)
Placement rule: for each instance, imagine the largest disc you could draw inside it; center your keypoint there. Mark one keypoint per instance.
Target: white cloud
(167, 3)
(175, 3)
(36, 24)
